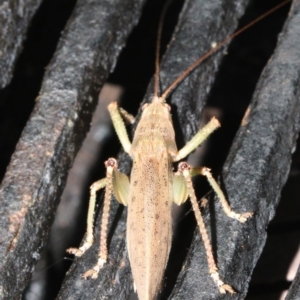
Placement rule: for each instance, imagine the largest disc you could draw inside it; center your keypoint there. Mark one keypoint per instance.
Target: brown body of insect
(149, 223)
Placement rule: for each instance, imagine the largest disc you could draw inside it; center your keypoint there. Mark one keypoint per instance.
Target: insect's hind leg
(96, 186)
(185, 170)
(225, 205)
(118, 183)
(111, 165)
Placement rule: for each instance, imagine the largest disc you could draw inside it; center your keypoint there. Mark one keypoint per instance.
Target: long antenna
(220, 45)
(157, 51)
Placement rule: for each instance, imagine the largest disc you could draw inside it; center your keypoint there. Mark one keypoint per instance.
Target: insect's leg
(111, 165)
(96, 186)
(184, 169)
(225, 205)
(127, 117)
(119, 126)
(198, 139)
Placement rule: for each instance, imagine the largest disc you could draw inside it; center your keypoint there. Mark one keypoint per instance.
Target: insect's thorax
(155, 133)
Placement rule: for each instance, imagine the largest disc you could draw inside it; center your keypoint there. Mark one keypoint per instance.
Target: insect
(150, 192)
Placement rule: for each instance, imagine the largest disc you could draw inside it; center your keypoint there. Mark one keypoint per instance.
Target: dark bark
(31, 189)
(15, 17)
(254, 174)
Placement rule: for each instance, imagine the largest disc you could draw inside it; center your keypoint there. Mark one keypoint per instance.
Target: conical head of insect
(158, 108)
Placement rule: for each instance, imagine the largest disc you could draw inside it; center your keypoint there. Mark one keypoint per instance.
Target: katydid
(153, 187)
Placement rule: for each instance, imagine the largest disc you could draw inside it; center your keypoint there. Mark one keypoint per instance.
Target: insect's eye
(145, 105)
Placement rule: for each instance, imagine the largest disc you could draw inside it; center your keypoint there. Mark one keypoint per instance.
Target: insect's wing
(149, 225)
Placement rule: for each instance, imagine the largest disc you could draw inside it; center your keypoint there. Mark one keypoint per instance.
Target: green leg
(117, 183)
(225, 205)
(198, 139)
(119, 126)
(111, 165)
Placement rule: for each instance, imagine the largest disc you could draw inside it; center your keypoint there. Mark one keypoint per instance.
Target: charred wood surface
(31, 189)
(15, 18)
(254, 174)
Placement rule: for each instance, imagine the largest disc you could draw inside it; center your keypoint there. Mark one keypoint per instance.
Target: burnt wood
(15, 17)
(254, 173)
(32, 186)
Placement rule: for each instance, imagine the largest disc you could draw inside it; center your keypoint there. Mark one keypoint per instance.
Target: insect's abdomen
(149, 225)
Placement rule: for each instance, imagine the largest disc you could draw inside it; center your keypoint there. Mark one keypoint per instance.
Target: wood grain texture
(35, 178)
